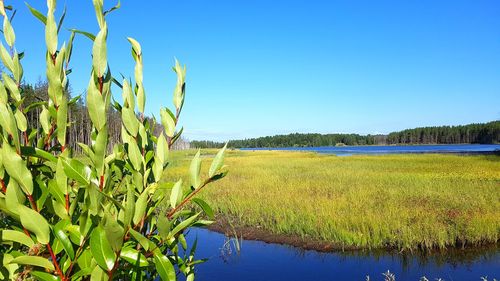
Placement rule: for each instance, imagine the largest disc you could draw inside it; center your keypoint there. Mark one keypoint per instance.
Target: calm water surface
(393, 149)
(261, 261)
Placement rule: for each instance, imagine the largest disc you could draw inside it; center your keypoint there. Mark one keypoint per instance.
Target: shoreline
(250, 233)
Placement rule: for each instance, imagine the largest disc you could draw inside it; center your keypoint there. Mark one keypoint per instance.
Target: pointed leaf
(17, 169)
(7, 235)
(218, 162)
(99, 50)
(194, 170)
(37, 14)
(60, 234)
(44, 276)
(76, 170)
(204, 206)
(164, 267)
(36, 223)
(134, 257)
(168, 121)
(101, 250)
(176, 194)
(10, 36)
(183, 225)
(34, 261)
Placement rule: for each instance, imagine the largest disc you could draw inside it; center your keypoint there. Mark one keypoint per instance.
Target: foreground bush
(98, 218)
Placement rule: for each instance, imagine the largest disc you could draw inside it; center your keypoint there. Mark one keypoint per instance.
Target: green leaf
(18, 68)
(129, 206)
(136, 47)
(8, 122)
(218, 162)
(194, 170)
(204, 206)
(98, 275)
(84, 33)
(14, 197)
(61, 178)
(36, 152)
(36, 223)
(45, 120)
(21, 121)
(96, 106)
(145, 243)
(130, 121)
(183, 225)
(37, 14)
(101, 250)
(127, 95)
(164, 267)
(99, 52)
(168, 121)
(176, 194)
(10, 36)
(61, 19)
(16, 168)
(6, 58)
(179, 88)
(140, 206)
(51, 34)
(163, 226)
(60, 234)
(100, 146)
(85, 259)
(134, 154)
(34, 261)
(134, 257)
(7, 235)
(114, 233)
(117, 6)
(11, 85)
(162, 149)
(44, 276)
(62, 120)
(76, 170)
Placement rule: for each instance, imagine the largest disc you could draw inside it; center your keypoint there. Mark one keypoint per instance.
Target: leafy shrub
(99, 216)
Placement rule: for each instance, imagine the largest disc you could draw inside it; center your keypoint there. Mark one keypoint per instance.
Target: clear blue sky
(265, 67)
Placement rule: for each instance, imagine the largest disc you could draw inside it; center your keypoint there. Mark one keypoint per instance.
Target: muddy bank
(224, 226)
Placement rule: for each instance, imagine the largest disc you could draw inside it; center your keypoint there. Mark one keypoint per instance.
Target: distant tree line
(486, 133)
(80, 129)
(292, 140)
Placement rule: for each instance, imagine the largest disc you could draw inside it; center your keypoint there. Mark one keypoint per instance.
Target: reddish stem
(32, 202)
(54, 260)
(4, 188)
(101, 84)
(67, 203)
(101, 183)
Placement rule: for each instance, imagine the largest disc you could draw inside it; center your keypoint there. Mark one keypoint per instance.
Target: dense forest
(296, 139)
(485, 133)
(79, 130)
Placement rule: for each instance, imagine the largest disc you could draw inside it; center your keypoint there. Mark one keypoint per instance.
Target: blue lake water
(261, 261)
(394, 149)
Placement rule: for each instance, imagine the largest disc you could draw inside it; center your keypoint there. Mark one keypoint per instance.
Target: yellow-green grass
(404, 201)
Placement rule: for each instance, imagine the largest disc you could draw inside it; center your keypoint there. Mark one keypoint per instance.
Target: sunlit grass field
(404, 201)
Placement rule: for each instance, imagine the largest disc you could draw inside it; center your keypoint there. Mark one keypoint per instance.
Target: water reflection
(262, 261)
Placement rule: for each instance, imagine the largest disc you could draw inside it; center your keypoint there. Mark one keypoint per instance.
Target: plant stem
(56, 264)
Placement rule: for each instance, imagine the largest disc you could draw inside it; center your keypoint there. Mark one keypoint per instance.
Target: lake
(262, 261)
(394, 149)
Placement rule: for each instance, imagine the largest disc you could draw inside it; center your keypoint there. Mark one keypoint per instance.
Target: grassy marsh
(403, 201)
